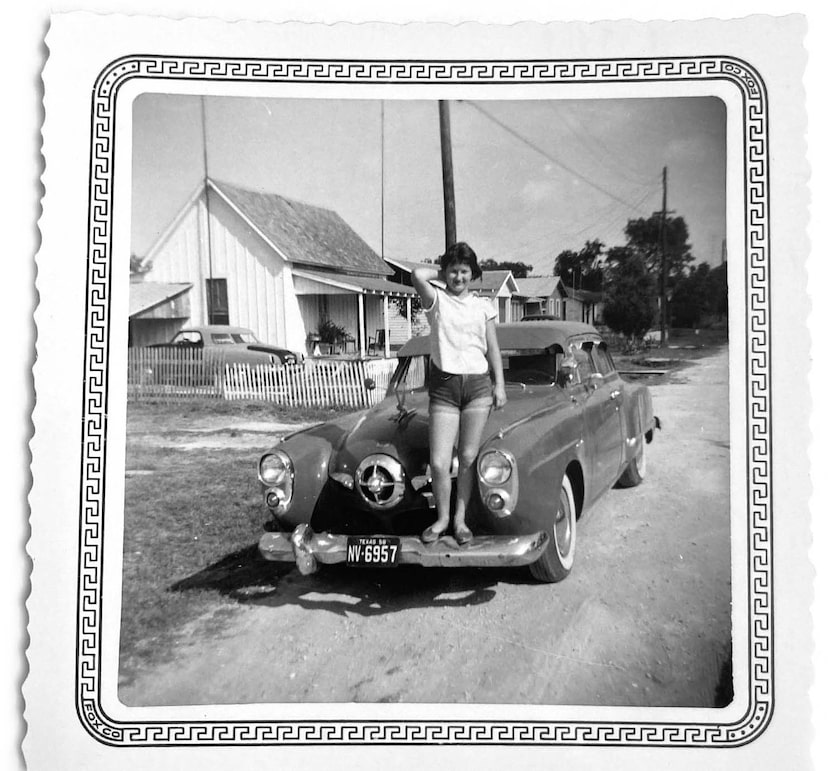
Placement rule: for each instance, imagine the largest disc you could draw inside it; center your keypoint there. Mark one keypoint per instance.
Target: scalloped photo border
(760, 668)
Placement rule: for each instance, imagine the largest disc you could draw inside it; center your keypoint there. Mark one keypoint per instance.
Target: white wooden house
(543, 295)
(497, 285)
(550, 295)
(500, 287)
(269, 263)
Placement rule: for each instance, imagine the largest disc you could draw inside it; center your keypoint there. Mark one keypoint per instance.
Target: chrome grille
(380, 481)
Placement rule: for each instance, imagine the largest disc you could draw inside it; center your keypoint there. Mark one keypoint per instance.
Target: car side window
(584, 367)
(602, 359)
(187, 338)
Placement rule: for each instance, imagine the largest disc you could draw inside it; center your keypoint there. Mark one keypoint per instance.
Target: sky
(532, 177)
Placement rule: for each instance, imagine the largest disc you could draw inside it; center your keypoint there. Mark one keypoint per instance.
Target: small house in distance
(277, 266)
(548, 295)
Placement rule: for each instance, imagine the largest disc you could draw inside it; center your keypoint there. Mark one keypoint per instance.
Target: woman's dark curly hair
(461, 253)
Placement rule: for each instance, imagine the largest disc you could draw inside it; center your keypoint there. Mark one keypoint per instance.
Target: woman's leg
(443, 427)
(472, 423)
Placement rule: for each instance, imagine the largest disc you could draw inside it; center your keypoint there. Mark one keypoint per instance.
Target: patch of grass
(196, 510)
(169, 411)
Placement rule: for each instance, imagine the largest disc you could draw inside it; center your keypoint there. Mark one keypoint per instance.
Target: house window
(217, 301)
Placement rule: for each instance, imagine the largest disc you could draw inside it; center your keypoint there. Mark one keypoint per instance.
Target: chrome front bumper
(307, 549)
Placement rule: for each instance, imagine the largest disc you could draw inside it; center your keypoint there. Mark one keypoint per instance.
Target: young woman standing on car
(463, 347)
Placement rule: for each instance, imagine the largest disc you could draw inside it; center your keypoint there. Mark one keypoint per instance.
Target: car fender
(638, 419)
(544, 449)
(310, 451)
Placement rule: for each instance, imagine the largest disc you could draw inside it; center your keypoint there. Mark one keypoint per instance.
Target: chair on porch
(377, 344)
(347, 340)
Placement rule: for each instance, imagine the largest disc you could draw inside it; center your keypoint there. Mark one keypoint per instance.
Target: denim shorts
(457, 393)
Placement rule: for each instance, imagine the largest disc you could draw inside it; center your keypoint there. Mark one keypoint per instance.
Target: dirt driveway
(644, 619)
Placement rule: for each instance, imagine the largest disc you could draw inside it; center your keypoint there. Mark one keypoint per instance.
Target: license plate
(377, 551)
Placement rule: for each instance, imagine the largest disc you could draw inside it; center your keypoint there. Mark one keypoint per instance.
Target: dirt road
(644, 619)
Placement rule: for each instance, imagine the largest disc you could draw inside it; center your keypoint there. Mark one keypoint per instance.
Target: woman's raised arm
(421, 278)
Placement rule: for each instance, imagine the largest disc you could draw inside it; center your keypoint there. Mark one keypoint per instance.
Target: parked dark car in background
(357, 489)
(233, 344)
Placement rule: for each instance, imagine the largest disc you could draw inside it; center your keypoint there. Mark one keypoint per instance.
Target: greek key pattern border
(412, 73)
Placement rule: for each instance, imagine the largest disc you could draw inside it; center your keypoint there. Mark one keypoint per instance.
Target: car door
(603, 418)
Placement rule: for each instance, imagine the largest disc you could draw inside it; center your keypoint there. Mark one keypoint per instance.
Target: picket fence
(170, 374)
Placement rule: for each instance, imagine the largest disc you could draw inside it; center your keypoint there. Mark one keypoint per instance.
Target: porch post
(386, 325)
(361, 326)
(409, 316)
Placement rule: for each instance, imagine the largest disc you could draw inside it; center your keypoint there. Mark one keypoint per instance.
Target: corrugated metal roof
(408, 265)
(361, 284)
(147, 294)
(585, 296)
(305, 234)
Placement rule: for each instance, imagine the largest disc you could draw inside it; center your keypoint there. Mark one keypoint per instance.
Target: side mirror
(595, 381)
(567, 372)
(369, 383)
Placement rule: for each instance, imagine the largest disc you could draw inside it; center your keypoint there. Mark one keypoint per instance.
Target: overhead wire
(602, 233)
(609, 215)
(516, 135)
(583, 132)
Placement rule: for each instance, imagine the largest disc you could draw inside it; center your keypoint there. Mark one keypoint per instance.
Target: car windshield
(412, 373)
(531, 367)
(522, 367)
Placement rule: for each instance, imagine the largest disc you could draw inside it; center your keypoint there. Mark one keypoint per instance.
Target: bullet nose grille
(380, 481)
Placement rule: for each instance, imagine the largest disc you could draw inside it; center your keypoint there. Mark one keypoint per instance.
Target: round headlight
(274, 468)
(494, 468)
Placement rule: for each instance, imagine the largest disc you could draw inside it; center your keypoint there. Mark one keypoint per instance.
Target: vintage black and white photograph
(287, 451)
(422, 389)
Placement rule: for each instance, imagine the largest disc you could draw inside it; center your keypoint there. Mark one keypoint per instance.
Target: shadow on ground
(247, 578)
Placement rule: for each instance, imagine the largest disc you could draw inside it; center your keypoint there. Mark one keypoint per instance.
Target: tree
(719, 291)
(645, 237)
(519, 269)
(700, 293)
(630, 305)
(581, 269)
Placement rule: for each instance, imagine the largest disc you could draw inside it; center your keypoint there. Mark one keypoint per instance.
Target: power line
(515, 134)
(605, 216)
(620, 169)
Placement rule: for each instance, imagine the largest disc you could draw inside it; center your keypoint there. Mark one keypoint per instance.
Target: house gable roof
(492, 281)
(304, 234)
(538, 286)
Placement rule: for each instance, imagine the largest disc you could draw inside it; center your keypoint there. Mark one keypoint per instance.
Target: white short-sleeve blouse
(458, 343)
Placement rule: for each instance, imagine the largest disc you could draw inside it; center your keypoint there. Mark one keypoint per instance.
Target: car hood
(399, 426)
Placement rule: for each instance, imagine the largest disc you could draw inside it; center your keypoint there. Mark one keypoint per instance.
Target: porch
(366, 316)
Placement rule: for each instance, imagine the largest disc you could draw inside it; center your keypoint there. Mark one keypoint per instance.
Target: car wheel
(635, 471)
(558, 559)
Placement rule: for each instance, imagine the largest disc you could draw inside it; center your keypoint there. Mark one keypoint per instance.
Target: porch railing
(168, 374)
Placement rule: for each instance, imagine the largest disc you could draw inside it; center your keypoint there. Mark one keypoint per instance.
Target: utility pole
(446, 165)
(663, 301)
(382, 178)
(210, 290)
